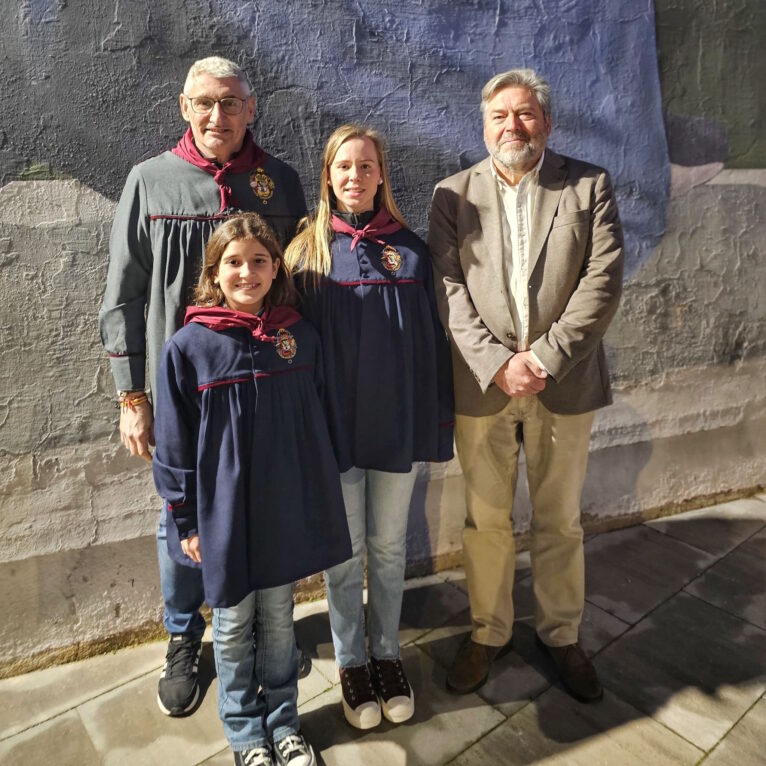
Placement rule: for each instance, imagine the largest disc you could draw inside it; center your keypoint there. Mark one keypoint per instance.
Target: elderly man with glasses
(169, 207)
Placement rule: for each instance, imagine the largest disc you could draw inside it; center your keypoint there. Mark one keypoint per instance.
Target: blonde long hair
(310, 250)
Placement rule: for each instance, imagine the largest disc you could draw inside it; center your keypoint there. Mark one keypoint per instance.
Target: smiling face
(515, 131)
(217, 135)
(355, 175)
(245, 273)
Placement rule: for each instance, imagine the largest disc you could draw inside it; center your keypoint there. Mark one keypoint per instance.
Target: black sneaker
(392, 687)
(258, 756)
(293, 750)
(360, 703)
(178, 690)
(304, 663)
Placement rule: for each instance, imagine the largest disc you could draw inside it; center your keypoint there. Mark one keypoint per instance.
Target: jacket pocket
(567, 219)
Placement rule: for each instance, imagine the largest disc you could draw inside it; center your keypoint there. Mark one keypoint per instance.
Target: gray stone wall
(92, 88)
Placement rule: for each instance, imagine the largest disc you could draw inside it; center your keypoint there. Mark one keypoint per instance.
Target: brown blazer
(575, 281)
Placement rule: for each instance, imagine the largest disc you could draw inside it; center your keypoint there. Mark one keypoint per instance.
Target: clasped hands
(520, 376)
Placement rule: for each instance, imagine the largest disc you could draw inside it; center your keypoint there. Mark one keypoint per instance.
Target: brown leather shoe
(470, 668)
(575, 670)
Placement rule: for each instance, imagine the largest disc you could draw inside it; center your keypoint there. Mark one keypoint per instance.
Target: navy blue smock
(244, 459)
(387, 366)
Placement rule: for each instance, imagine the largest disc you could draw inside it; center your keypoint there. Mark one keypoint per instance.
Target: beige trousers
(556, 449)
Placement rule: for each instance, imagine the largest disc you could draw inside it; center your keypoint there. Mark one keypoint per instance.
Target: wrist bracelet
(127, 402)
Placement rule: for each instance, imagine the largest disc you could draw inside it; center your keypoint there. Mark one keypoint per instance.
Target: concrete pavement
(675, 620)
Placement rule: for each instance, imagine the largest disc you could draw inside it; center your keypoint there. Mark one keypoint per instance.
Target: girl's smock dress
(243, 455)
(388, 373)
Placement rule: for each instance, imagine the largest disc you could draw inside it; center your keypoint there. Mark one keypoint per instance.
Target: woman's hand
(190, 546)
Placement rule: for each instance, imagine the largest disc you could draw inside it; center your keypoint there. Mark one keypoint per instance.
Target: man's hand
(190, 546)
(137, 430)
(520, 376)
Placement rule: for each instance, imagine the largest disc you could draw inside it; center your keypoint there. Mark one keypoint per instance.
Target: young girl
(367, 287)
(245, 464)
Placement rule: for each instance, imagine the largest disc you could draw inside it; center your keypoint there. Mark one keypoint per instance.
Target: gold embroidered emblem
(285, 343)
(391, 258)
(262, 185)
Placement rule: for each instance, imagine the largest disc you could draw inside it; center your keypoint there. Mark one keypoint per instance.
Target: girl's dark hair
(243, 226)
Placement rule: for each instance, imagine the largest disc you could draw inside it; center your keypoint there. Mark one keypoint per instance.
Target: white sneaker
(258, 756)
(293, 750)
(360, 703)
(392, 687)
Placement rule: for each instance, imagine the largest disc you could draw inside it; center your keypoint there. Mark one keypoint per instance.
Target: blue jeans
(182, 588)
(377, 507)
(251, 716)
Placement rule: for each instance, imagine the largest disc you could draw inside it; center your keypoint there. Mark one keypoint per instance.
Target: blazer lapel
(550, 184)
(489, 207)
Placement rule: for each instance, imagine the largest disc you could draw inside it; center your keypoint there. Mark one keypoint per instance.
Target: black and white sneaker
(293, 750)
(178, 690)
(258, 756)
(361, 706)
(397, 700)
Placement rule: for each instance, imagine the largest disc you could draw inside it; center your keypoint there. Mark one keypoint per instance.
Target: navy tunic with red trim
(387, 367)
(244, 459)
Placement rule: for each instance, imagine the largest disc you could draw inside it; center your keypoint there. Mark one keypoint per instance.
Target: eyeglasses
(230, 105)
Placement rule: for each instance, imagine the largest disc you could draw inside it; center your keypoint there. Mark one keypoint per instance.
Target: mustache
(522, 136)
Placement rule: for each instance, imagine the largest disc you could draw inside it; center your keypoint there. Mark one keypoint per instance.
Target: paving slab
(555, 729)
(690, 665)
(312, 686)
(745, 744)
(631, 571)
(597, 629)
(737, 583)
(524, 673)
(224, 758)
(429, 607)
(313, 633)
(443, 724)
(64, 740)
(34, 697)
(126, 726)
(717, 529)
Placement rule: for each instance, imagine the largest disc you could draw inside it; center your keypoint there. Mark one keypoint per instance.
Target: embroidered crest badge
(262, 185)
(391, 258)
(285, 343)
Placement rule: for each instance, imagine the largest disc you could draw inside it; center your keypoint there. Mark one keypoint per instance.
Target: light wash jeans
(182, 588)
(251, 716)
(377, 507)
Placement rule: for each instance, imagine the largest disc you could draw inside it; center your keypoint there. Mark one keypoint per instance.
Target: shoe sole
(505, 649)
(361, 721)
(176, 712)
(402, 717)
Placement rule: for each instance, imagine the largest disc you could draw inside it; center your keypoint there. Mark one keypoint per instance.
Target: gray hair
(520, 78)
(219, 67)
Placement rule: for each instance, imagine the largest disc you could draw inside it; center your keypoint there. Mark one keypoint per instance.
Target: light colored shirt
(518, 204)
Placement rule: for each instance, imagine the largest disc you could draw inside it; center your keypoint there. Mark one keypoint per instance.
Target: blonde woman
(367, 287)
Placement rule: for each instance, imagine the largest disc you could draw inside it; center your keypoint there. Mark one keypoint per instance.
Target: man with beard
(170, 206)
(527, 252)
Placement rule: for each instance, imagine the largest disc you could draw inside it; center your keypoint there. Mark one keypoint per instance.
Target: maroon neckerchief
(221, 318)
(247, 158)
(381, 223)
